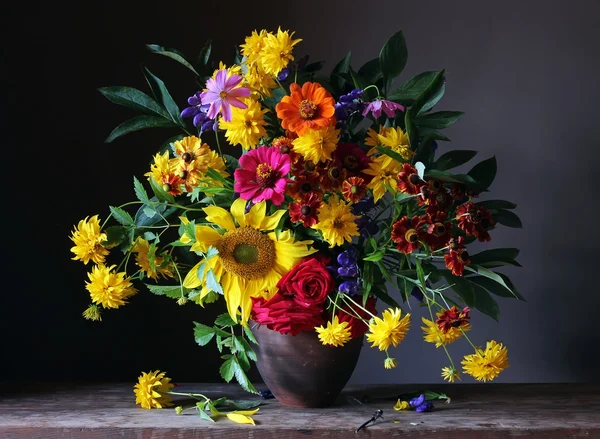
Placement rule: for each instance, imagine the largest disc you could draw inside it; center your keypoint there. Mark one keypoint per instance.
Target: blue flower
(350, 287)
(347, 257)
(416, 402)
(348, 270)
(283, 74)
(427, 406)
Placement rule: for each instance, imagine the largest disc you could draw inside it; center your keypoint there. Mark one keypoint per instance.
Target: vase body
(299, 370)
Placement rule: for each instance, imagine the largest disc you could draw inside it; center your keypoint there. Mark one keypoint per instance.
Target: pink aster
(262, 175)
(221, 93)
(378, 105)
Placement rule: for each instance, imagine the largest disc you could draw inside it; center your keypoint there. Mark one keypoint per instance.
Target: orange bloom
(308, 107)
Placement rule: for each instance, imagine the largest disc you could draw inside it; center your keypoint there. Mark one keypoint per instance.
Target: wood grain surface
(487, 411)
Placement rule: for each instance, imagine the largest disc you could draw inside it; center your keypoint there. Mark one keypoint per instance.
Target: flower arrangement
(342, 197)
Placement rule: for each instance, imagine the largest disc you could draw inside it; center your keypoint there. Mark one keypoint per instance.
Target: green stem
(191, 395)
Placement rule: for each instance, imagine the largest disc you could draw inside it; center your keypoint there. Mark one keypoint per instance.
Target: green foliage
(392, 58)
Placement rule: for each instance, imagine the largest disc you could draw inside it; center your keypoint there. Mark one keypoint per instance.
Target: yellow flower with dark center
(389, 330)
(193, 156)
(397, 140)
(161, 167)
(253, 46)
(250, 261)
(247, 125)
(276, 52)
(336, 222)
(335, 334)
(384, 174)
(145, 253)
(151, 390)
(88, 239)
(317, 145)
(92, 313)
(433, 334)
(450, 374)
(485, 365)
(108, 288)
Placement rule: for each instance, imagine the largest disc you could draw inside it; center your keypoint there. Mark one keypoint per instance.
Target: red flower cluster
(453, 318)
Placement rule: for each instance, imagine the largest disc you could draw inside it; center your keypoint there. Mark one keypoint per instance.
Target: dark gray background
(525, 73)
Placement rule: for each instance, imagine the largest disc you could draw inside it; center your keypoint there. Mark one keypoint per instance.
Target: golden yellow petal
(237, 210)
(233, 293)
(256, 215)
(246, 412)
(270, 222)
(191, 279)
(240, 419)
(219, 216)
(205, 237)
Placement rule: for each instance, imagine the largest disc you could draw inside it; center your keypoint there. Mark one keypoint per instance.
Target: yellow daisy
(250, 260)
(485, 365)
(388, 330)
(450, 374)
(276, 52)
(432, 334)
(108, 288)
(335, 334)
(162, 166)
(317, 145)
(235, 69)
(260, 82)
(151, 390)
(253, 46)
(88, 239)
(247, 125)
(397, 140)
(149, 262)
(336, 222)
(384, 174)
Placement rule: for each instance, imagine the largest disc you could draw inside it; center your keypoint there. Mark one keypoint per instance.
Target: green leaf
(487, 273)
(204, 54)
(452, 178)
(413, 88)
(241, 377)
(484, 173)
(391, 153)
(138, 123)
(392, 58)
(115, 235)
(224, 320)
(430, 96)
(438, 120)
(375, 256)
(452, 159)
(227, 369)
(171, 53)
(250, 335)
(212, 283)
(133, 98)
(172, 291)
(496, 257)
(485, 303)
(420, 274)
(121, 216)
(200, 407)
(461, 286)
(494, 287)
(140, 192)
(497, 204)
(313, 67)
(162, 94)
(203, 335)
(371, 71)
(411, 131)
(508, 218)
(336, 77)
(159, 192)
(241, 404)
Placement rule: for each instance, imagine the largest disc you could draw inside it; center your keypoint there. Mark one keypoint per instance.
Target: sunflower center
(411, 235)
(265, 177)
(307, 109)
(247, 253)
(223, 94)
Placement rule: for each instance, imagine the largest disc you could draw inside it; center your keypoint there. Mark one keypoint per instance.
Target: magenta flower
(262, 175)
(388, 107)
(221, 94)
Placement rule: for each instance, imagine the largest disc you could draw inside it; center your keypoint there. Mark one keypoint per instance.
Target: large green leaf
(497, 204)
(487, 273)
(411, 131)
(159, 89)
(454, 158)
(496, 257)
(203, 334)
(133, 98)
(507, 218)
(139, 123)
(439, 119)
(485, 303)
(495, 288)
(121, 216)
(371, 74)
(341, 68)
(451, 178)
(484, 173)
(430, 96)
(461, 286)
(172, 291)
(413, 88)
(171, 53)
(392, 58)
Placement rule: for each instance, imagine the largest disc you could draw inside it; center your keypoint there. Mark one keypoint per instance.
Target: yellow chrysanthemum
(395, 139)
(336, 222)
(450, 374)
(390, 363)
(88, 239)
(92, 313)
(162, 166)
(276, 52)
(235, 69)
(373, 138)
(335, 334)
(216, 163)
(317, 145)
(388, 330)
(384, 174)
(485, 365)
(250, 261)
(401, 405)
(107, 288)
(151, 390)
(247, 125)
(253, 45)
(432, 334)
(146, 253)
(260, 82)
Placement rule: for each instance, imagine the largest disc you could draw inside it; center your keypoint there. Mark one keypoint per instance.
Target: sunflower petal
(233, 294)
(191, 279)
(256, 216)
(219, 216)
(240, 419)
(270, 222)
(205, 237)
(238, 208)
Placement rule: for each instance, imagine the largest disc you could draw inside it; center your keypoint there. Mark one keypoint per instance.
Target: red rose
(283, 314)
(308, 283)
(357, 326)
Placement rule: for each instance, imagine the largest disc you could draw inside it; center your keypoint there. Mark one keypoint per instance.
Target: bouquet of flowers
(342, 196)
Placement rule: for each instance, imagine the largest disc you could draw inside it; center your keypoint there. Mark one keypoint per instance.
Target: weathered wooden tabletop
(475, 411)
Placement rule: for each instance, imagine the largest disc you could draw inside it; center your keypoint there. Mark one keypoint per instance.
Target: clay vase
(299, 370)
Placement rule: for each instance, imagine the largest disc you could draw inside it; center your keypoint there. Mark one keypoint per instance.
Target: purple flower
(348, 271)
(427, 406)
(221, 93)
(363, 205)
(266, 394)
(196, 110)
(366, 226)
(379, 105)
(350, 287)
(283, 74)
(347, 257)
(416, 402)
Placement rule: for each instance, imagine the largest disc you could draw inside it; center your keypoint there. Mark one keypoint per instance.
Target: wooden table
(475, 411)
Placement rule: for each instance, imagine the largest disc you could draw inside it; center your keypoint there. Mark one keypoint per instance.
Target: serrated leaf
(172, 291)
(204, 415)
(133, 98)
(452, 159)
(163, 96)
(121, 216)
(203, 334)
(138, 123)
(115, 235)
(224, 320)
(171, 53)
(212, 283)
(140, 192)
(250, 335)
(241, 377)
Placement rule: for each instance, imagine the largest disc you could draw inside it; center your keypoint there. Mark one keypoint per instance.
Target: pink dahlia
(221, 93)
(262, 175)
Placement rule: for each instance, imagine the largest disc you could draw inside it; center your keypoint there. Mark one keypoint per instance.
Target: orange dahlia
(309, 106)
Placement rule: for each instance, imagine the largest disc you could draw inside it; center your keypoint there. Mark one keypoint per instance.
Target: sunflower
(108, 288)
(152, 389)
(335, 334)
(433, 334)
(247, 125)
(388, 330)
(88, 239)
(485, 365)
(308, 107)
(336, 222)
(250, 261)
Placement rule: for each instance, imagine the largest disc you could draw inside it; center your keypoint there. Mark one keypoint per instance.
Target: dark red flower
(357, 326)
(409, 181)
(308, 283)
(352, 157)
(438, 229)
(304, 183)
(475, 220)
(306, 209)
(283, 314)
(332, 175)
(407, 233)
(457, 257)
(459, 192)
(354, 188)
(453, 318)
